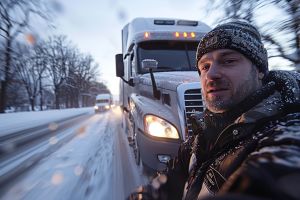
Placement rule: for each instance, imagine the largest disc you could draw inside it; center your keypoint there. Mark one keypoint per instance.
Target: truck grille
(101, 108)
(194, 103)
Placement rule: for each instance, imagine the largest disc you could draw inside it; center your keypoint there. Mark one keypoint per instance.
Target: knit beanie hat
(239, 36)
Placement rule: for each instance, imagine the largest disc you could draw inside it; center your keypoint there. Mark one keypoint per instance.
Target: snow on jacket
(256, 156)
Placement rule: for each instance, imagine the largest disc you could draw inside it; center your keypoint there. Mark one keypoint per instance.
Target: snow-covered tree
(15, 18)
(26, 72)
(58, 50)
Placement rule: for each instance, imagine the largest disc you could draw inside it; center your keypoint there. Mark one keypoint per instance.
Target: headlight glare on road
(160, 128)
(96, 107)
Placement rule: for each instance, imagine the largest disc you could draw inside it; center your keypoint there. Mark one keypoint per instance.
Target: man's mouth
(216, 90)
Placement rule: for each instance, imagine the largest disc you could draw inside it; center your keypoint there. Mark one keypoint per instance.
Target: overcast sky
(95, 25)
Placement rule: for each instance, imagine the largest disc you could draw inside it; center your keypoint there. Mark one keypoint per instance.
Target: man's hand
(142, 193)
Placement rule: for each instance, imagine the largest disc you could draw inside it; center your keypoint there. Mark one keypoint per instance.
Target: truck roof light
(177, 34)
(164, 22)
(146, 35)
(192, 35)
(185, 34)
(187, 23)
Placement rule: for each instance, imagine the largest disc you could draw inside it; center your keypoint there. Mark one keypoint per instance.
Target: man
(248, 146)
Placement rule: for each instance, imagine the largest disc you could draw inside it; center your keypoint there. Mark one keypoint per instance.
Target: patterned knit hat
(239, 36)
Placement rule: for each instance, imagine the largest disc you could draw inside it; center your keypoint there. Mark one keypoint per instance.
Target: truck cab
(159, 86)
(103, 102)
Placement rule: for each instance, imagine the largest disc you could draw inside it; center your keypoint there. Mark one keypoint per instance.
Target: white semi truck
(103, 102)
(159, 86)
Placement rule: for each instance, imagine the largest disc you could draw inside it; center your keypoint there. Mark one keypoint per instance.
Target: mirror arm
(127, 54)
(130, 82)
(156, 92)
(125, 109)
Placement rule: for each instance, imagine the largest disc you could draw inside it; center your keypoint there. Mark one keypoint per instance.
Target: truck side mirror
(149, 64)
(119, 65)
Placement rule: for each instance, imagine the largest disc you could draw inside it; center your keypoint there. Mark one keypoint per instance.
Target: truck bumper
(101, 108)
(150, 147)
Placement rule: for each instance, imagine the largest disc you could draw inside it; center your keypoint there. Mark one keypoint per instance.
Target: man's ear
(260, 75)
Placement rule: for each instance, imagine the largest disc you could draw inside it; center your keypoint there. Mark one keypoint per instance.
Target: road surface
(86, 157)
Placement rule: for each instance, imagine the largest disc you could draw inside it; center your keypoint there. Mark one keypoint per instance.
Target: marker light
(146, 35)
(177, 34)
(192, 35)
(158, 127)
(185, 34)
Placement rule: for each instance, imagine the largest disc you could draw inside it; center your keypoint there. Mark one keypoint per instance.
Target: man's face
(227, 78)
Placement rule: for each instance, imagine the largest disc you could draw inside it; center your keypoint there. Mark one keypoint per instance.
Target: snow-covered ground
(96, 164)
(12, 122)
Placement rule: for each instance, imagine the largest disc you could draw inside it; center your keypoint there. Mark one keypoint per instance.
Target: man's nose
(214, 72)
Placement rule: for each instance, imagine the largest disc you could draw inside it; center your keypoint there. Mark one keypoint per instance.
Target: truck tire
(137, 156)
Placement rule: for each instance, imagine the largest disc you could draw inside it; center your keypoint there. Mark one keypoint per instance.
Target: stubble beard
(219, 104)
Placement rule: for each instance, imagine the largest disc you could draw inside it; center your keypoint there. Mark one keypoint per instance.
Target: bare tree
(40, 64)
(86, 72)
(58, 52)
(16, 93)
(15, 17)
(25, 69)
(281, 34)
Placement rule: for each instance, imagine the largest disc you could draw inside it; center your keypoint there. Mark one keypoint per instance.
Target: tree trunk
(3, 95)
(3, 84)
(41, 103)
(67, 100)
(72, 99)
(32, 103)
(83, 102)
(41, 93)
(76, 101)
(57, 100)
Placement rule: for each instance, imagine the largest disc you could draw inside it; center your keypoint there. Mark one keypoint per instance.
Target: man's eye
(229, 61)
(204, 67)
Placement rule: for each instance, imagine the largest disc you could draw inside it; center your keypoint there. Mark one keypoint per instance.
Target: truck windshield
(102, 101)
(170, 55)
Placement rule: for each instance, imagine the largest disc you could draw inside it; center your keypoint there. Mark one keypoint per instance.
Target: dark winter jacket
(256, 155)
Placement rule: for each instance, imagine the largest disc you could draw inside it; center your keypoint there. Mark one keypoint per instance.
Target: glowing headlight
(96, 107)
(160, 128)
(107, 107)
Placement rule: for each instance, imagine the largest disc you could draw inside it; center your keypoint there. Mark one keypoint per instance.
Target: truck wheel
(137, 155)
(138, 159)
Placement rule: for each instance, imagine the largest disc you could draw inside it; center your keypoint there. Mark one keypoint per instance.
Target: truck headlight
(107, 107)
(96, 107)
(160, 128)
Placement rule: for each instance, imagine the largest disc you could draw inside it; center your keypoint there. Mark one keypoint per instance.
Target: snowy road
(95, 163)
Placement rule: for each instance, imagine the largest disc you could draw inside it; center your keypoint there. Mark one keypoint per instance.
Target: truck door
(128, 90)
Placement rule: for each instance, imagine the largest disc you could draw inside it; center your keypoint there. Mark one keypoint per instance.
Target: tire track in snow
(127, 177)
(97, 164)
(81, 169)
